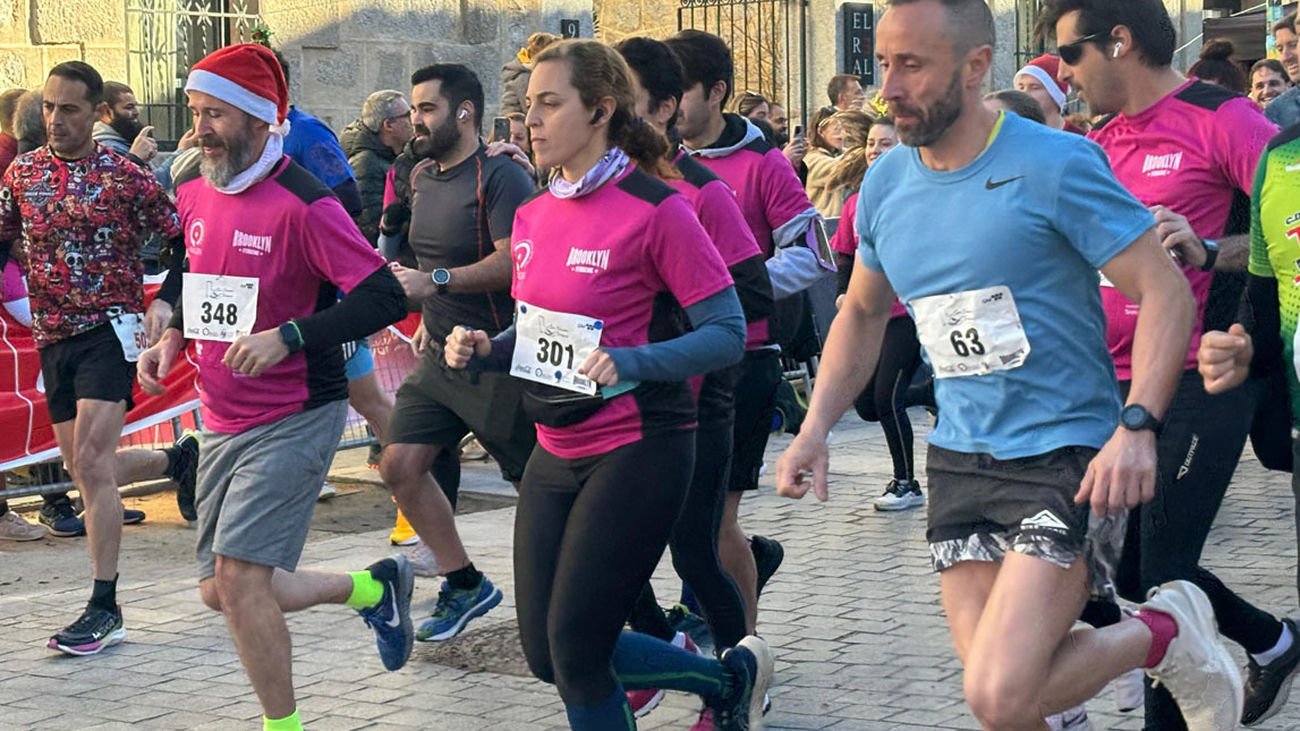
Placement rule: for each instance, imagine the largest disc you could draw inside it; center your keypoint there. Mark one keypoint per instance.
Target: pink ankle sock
(1163, 630)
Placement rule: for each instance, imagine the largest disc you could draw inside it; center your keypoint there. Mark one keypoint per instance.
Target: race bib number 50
(971, 333)
(218, 307)
(550, 347)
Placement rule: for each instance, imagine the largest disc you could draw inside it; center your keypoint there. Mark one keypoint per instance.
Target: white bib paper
(218, 307)
(550, 347)
(129, 328)
(971, 333)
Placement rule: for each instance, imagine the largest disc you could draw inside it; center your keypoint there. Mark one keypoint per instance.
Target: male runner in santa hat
(1038, 79)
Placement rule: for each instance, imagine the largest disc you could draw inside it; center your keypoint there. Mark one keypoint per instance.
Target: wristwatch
(291, 336)
(1211, 254)
(441, 277)
(1135, 417)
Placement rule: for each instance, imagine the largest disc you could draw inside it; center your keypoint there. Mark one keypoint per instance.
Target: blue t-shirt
(1039, 212)
(314, 146)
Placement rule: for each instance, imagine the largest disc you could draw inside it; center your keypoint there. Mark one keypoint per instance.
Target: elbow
(733, 350)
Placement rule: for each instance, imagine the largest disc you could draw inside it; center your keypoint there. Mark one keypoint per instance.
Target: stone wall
(37, 34)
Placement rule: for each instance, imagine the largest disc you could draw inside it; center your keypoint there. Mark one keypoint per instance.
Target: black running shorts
(88, 365)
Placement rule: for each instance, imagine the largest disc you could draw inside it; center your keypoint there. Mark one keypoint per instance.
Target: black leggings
(588, 535)
(883, 399)
(1197, 452)
(694, 545)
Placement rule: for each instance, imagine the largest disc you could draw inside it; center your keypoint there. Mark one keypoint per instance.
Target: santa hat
(1043, 70)
(246, 76)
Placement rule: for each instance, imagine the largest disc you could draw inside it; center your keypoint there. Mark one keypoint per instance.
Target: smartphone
(798, 130)
(500, 129)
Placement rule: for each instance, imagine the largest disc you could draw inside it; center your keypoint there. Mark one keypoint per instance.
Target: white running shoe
(1073, 719)
(1130, 693)
(13, 527)
(327, 491)
(421, 558)
(900, 495)
(1196, 668)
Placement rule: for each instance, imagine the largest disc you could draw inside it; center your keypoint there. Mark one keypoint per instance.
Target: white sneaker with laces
(14, 528)
(1197, 669)
(1073, 719)
(900, 495)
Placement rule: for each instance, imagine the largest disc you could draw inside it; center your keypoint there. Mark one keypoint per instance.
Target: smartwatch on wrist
(291, 336)
(441, 278)
(1211, 254)
(1135, 417)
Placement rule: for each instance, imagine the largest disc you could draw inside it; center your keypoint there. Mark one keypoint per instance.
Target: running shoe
(742, 709)
(1267, 686)
(682, 619)
(471, 449)
(327, 491)
(900, 495)
(402, 534)
(61, 519)
(14, 528)
(455, 609)
(1196, 669)
(1130, 691)
(183, 467)
(129, 516)
(94, 630)
(374, 455)
(643, 701)
(423, 561)
(768, 555)
(1073, 719)
(391, 617)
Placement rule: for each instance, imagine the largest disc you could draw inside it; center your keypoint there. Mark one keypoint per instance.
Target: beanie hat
(1043, 70)
(246, 76)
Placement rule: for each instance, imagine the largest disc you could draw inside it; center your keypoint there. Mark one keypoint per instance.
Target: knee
(208, 594)
(91, 467)
(539, 664)
(999, 702)
(237, 580)
(399, 467)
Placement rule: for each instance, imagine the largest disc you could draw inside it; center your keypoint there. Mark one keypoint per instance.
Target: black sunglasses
(1071, 52)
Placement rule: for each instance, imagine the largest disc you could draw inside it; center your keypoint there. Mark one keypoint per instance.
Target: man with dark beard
(119, 128)
(1033, 466)
(462, 209)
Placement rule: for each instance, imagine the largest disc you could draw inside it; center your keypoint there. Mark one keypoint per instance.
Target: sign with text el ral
(857, 44)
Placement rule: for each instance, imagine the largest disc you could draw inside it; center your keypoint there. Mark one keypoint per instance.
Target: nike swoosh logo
(1292, 168)
(990, 185)
(396, 620)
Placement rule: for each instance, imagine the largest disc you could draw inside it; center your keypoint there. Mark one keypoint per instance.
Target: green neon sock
(290, 722)
(367, 591)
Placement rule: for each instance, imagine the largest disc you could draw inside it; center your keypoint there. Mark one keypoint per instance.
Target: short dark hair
(114, 91)
(1286, 23)
(1147, 20)
(705, 60)
(1272, 64)
(86, 74)
(839, 84)
(1217, 65)
(284, 66)
(459, 85)
(655, 66)
(970, 24)
(1021, 103)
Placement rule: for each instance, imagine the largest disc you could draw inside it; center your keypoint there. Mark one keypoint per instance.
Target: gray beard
(238, 158)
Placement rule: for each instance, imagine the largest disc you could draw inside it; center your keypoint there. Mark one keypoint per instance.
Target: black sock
(104, 595)
(466, 578)
(173, 462)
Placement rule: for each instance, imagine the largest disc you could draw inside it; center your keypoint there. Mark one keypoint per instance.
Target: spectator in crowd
(780, 121)
(1016, 101)
(519, 133)
(845, 92)
(1039, 80)
(1217, 66)
(372, 143)
(1284, 110)
(1268, 81)
(313, 145)
(1080, 120)
(29, 125)
(514, 75)
(824, 146)
(13, 292)
(752, 106)
(118, 127)
(8, 142)
(851, 127)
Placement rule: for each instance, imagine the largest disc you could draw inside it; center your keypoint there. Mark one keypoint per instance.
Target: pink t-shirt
(610, 255)
(293, 235)
(845, 241)
(13, 287)
(766, 186)
(1190, 152)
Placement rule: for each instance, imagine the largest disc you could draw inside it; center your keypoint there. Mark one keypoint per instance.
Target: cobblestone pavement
(853, 615)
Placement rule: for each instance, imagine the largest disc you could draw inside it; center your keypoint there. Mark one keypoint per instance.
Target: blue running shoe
(455, 608)
(391, 617)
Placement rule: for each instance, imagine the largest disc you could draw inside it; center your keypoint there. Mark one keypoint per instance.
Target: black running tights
(883, 399)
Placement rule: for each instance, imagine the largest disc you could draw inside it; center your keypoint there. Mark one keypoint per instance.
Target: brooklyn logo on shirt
(584, 261)
(251, 244)
(1157, 166)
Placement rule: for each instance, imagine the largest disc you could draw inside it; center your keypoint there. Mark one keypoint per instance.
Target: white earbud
(1116, 53)
(462, 114)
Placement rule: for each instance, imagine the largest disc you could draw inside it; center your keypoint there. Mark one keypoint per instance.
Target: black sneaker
(129, 516)
(768, 555)
(184, 469)
(94, 630)
(1267, 686)
(61, 518)
(374, 456)
(751, 663)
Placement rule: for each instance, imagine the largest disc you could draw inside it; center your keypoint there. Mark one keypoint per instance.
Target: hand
(463, 344)
(154, 364)
(155, 320)
(1177, 237)
(515, 152)
(1122, 475)
(796, 150)
(416, 284)
(253, 354)
(188, 140)
(1224, 358)
(807, 453)
(600, 368)
(420, 340)
(144, 146)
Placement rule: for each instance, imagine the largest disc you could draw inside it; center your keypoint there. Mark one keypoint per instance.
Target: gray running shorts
(256, 490)
(981, 507)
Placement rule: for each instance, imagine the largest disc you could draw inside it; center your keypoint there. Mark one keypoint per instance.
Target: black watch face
(1133, 417)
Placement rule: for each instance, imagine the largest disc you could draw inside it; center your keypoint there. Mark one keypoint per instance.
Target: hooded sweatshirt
(370, 160)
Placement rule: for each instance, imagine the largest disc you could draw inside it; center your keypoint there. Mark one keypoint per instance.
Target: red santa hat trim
(1044, 70)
